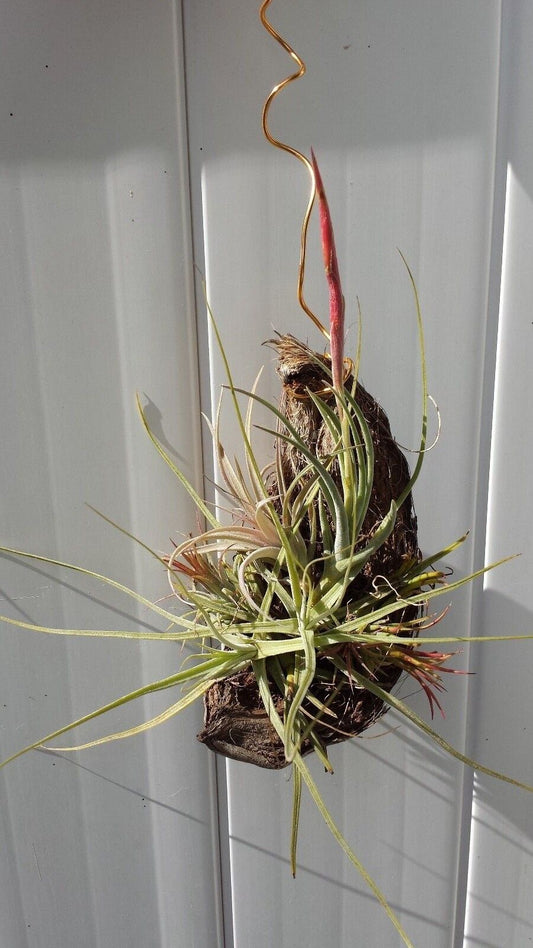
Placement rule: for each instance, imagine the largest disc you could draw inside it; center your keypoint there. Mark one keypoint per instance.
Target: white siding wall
(134, 149)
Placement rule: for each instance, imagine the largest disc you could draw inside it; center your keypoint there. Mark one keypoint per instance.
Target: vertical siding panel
(501, 868)
(116, 847)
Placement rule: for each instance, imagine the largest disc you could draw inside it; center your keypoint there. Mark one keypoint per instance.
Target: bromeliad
(306, 603)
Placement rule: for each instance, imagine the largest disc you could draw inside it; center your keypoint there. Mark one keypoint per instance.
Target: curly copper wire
(297, 154)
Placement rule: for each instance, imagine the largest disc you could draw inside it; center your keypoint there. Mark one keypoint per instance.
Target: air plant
(305, 609)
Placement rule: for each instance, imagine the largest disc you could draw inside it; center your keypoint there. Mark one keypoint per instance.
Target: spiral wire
(300, 72)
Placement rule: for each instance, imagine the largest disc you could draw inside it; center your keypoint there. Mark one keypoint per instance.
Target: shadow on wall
(504, 731)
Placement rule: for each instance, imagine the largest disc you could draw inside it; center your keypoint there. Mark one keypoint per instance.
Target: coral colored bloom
(336, 299)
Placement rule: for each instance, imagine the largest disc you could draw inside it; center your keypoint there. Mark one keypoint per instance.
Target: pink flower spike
(336, 299)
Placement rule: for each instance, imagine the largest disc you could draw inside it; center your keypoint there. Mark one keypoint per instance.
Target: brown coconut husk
(236, 723)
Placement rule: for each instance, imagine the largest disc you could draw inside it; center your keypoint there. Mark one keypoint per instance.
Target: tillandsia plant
(306, 608)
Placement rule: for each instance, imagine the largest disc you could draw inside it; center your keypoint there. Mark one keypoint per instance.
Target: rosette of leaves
(383, 543)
